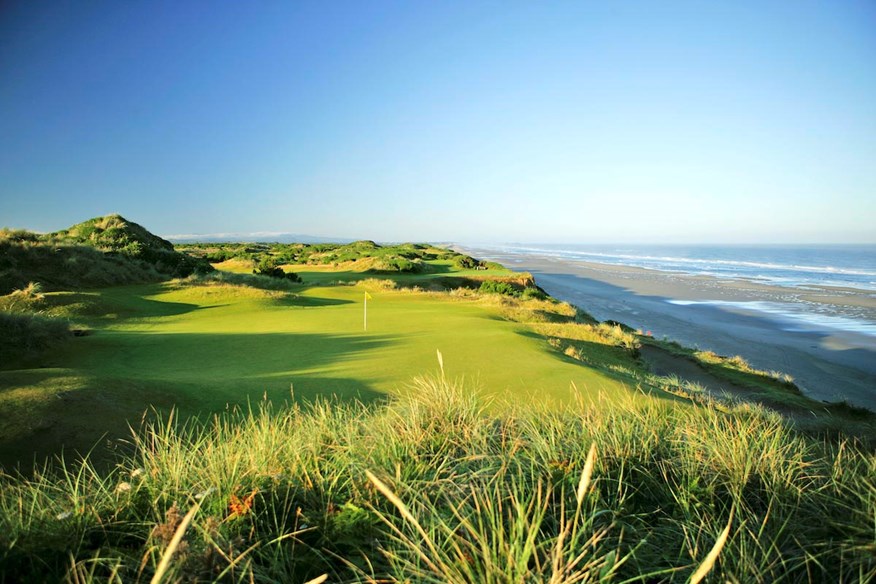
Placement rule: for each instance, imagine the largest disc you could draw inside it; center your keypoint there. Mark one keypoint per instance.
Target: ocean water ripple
(843, 266)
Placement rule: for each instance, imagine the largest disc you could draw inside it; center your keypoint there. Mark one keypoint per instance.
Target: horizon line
(253, 234)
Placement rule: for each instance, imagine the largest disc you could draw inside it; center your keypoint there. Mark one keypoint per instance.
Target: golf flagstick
(365, 311)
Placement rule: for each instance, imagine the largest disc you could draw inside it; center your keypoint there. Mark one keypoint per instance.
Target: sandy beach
(730, 317)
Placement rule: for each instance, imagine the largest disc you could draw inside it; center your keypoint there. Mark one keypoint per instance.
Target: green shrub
(395, 263)
(498, 287)
(219, 256)
(465, 262)
(268, 267)
(26, 335)
(534, 293)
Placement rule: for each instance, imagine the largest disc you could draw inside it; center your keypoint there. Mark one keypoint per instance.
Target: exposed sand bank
(729, 317)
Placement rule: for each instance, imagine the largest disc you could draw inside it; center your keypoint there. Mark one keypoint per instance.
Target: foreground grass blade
(174, 544)
(584, 483)
(710, 560)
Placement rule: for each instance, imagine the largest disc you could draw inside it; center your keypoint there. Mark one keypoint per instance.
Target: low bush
(498, 287)
(465, 262)
(24, 335)
(531, 292)
(517, 290)
(396, 263)
(268, 267)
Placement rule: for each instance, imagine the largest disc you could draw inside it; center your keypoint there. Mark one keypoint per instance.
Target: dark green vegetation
(104, 251)
(26, 335)
(268, 267)
(465, 487)
(362, 256)
(515, 289)
(437, 487)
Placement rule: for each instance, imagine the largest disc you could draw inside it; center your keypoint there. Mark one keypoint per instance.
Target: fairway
(202, 349)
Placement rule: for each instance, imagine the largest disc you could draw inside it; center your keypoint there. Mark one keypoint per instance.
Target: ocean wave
(840, 268)
(794, 319)
(705, 262)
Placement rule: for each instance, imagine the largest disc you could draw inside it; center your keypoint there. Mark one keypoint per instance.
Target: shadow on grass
(311, 301)
(101, 388)
(601, 358)
(112, 305)
(214, 357)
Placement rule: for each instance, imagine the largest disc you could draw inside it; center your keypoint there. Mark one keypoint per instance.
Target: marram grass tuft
(439, 486)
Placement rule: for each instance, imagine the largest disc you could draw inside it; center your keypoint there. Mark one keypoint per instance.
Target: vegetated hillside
(365, 255)
(102, 251)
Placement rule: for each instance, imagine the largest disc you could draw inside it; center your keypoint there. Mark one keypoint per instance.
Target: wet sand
(828, 364)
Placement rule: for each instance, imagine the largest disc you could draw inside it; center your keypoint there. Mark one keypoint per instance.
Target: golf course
(365, 412)
(203, 348)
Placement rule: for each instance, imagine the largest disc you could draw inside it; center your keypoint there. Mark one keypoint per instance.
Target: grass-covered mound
(104, 251)
(435, 487)
(360, 256)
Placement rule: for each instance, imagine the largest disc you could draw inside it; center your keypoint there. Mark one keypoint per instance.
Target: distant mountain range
(257, 236)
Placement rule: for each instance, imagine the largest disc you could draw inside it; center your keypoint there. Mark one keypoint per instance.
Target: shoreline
(730, 317)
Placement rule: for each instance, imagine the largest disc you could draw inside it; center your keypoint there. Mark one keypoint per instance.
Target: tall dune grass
(26, 335)
(435, 486)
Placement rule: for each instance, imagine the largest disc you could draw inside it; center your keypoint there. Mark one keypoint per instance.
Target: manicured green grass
(202, 347)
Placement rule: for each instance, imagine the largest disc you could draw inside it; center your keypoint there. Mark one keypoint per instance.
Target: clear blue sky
(467, 121)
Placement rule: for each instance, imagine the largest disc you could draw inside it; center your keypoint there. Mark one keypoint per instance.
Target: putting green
(202, 349)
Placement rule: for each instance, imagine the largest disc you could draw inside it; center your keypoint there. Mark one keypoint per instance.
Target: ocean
(836, 273)
(852, 266)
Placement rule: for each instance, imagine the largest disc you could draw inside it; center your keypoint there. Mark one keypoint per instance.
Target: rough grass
(25, 336)
(65, 266)
(439, 486)
(104, 251)
(732, 368)
(409, 259)
(738, 363)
